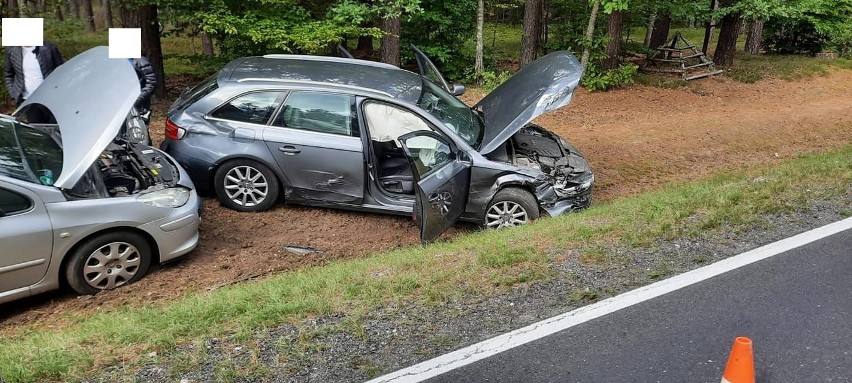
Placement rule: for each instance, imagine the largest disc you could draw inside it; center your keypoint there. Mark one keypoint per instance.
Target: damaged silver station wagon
(354, 134)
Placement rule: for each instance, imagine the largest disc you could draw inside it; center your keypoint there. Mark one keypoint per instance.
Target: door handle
(289, 150)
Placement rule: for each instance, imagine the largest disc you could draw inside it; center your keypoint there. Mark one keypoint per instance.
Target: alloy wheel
(246, 186)
(506, 214)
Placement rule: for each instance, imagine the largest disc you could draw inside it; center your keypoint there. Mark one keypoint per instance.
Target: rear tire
(246, 185)
(108, 261)
(510, 207)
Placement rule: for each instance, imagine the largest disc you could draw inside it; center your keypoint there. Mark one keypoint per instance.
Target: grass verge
(752, 68)
(482, 263)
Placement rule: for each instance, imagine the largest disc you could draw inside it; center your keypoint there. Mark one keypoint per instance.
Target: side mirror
(458, 90)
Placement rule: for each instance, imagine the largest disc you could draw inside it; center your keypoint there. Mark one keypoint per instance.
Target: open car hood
(545, 85)
(90, 97)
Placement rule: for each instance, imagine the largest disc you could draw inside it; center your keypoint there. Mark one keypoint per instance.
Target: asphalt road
(795, 306)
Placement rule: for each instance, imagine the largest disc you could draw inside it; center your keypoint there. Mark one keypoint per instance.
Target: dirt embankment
(636, 139)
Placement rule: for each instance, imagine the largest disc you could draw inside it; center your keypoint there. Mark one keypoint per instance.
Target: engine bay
(536, 148)
(124, 169)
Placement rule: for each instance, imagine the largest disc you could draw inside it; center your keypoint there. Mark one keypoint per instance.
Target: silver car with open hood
(77, 204)
(362, 135)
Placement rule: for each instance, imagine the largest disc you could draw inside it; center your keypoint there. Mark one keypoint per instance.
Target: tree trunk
(14, 9)
(532, 31)
(365, 44)
(67, 5)
(126, 16)
(57, 11)
(660, 36)
(478, 65)
(24, 8)
(729, 27)
(545, 26)
(649, 30)
(590, 33)
(88, 15)
(75, 8)
(390, 41)
(708, 28)
(755, 37)
(107, 6)
(613, 44)
(145, 18)
(206, 44)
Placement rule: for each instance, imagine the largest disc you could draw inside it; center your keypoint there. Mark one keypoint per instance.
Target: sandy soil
(636, 139)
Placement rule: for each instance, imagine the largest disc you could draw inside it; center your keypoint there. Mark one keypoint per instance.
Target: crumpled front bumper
(557, 200)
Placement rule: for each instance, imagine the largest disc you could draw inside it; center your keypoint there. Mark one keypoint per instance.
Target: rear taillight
(174, 132)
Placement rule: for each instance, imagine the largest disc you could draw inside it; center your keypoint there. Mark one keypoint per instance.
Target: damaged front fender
(556, 202)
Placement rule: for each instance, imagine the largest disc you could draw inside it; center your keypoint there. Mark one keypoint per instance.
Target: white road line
(447, 362)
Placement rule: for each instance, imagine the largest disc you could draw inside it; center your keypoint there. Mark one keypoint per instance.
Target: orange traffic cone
(740, 368)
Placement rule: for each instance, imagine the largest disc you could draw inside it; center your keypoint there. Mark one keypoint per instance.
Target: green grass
(501, 41)
(660, 80)
(479, 264)
(750, 68)
(747, 68)
(71, 38)
(181, 54)
(501, 46)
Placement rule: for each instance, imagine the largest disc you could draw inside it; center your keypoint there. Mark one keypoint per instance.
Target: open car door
(443, 180)
(430, 71)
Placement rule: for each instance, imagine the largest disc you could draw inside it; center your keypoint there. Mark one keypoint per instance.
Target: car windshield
(460, 118)
(28, 154)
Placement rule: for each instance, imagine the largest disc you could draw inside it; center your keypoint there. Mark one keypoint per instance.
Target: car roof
(331, 72)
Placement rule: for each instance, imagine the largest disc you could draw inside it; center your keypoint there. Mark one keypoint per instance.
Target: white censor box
(23, 32)
(125, 43)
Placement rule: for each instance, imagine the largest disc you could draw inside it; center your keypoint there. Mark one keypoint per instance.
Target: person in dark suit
(27, 67)
(147, 82)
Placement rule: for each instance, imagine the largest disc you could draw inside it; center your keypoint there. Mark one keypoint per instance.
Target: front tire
(510, 207)
(246, 185)
(108, 261)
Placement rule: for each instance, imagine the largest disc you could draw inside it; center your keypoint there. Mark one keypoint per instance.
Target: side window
(11, 203)
(196, 93)
(317, 112)
(428, 152)
(256, 108)
(387, 123)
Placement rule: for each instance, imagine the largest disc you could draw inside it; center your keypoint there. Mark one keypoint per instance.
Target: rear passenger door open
(442, 173)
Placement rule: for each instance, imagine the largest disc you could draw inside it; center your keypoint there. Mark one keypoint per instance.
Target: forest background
(472, 41)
